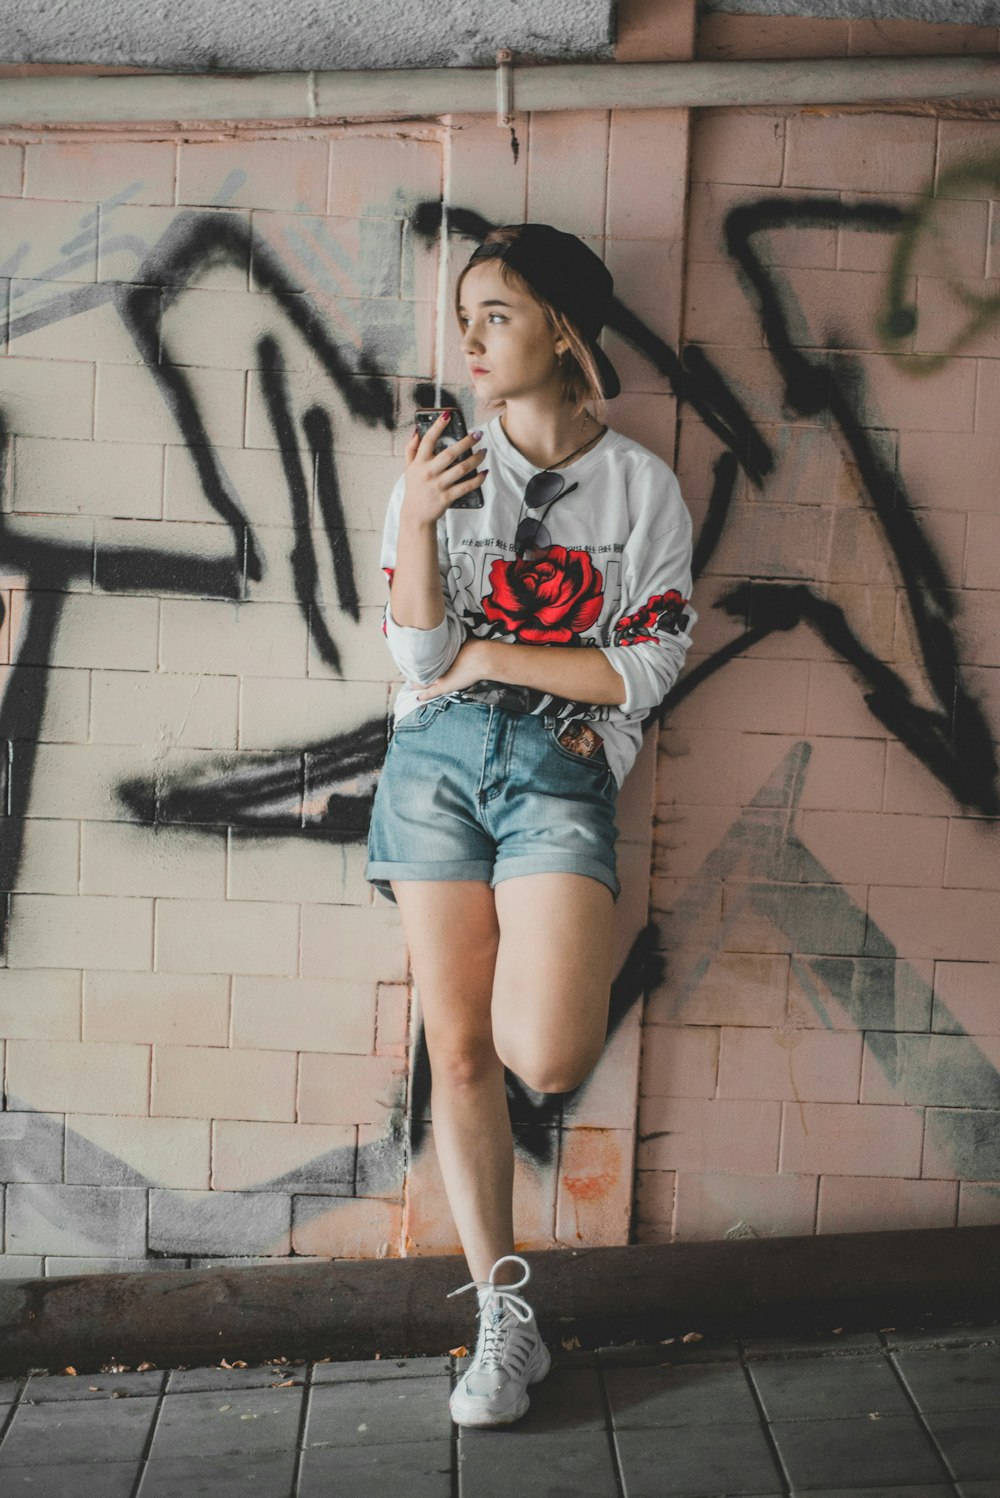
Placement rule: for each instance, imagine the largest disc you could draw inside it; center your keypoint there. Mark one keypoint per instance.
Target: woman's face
(510, 349)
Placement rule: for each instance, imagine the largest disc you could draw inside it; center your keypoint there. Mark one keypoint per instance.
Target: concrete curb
(353, 1309)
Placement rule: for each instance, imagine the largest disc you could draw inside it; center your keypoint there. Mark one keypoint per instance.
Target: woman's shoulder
(639, 464)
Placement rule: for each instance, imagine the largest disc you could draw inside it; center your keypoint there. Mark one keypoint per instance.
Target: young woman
(493, 825)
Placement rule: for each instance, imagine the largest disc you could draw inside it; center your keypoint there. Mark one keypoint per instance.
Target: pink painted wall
(821, 1054)
(212, 1049)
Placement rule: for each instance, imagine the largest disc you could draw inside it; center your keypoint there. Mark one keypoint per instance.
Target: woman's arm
(417, 600)
(652, 634)
(422, 629)
(562, 670)
(650, 631)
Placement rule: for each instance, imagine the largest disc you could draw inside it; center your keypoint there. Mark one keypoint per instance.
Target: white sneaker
(510, 1354)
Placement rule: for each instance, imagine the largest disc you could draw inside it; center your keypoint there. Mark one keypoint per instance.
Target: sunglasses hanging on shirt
(543, 488)
(531, 533)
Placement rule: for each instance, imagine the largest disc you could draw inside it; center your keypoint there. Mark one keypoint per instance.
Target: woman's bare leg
(550, 1016)
(452, 934)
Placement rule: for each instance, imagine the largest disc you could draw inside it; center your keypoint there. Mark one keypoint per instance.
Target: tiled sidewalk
(889, 1415)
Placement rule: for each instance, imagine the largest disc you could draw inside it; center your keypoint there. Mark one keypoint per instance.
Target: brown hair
(580, 379)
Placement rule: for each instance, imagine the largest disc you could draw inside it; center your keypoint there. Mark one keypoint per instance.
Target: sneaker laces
(494, 1322)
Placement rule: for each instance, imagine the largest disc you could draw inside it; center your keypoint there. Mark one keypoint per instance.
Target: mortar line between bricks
(785, 1476)
(923, 1139)
(140, 1470)
(304, 1413)
(611, 1433)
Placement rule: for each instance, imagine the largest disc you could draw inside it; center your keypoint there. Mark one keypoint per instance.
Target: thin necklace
(561, 461)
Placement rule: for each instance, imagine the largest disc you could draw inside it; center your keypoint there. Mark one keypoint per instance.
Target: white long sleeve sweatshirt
(616, 577)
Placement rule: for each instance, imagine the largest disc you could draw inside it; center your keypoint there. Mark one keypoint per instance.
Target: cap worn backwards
(569, 275)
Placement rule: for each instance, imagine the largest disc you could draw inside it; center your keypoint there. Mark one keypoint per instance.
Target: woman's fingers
(434, 481)
(461, 466)
(433, 432)
(470, 484)
(450, 456)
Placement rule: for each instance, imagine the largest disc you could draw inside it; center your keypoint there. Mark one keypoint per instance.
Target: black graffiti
(240, 791)
(955, 743)
(265, 794)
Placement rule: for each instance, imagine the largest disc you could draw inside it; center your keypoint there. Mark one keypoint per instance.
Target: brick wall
(822, 1054)
(212, 1049)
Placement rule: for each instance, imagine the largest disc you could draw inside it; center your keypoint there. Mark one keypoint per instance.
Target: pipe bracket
(505, 87)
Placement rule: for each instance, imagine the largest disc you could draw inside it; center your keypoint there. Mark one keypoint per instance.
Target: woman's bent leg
(550, 1015)
(452, 934)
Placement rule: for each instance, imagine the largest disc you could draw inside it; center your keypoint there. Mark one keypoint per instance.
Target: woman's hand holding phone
(434, 481)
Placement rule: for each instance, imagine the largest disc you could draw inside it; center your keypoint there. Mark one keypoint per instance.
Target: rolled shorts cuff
(555, 863)
(380, 873)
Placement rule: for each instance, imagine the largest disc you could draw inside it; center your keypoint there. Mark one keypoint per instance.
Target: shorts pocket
(422, 716)
(598, 761)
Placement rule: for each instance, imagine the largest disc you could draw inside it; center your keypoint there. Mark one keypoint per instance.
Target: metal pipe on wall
(420, 93)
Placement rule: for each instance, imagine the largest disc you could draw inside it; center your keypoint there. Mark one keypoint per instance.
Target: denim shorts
(473, 791)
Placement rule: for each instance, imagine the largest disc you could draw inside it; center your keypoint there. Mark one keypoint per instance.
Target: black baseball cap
(569, 275)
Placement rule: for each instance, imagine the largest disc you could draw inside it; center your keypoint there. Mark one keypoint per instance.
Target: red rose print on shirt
(663, 612)
(547, 600)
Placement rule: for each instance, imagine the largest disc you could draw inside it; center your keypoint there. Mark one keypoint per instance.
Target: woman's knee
(558, 1073)
(460, 1063)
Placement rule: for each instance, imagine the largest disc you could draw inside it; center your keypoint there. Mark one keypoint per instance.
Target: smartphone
(453, 432)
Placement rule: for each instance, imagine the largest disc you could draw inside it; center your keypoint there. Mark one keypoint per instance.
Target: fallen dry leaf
(145, 1367)
(666, 1341)
(458, 1352)
(570, 1342)
(69, 1370)
(691, 1337)
(837, 1330)
(287, 1383)
(237, 1364)
(887, 1328)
